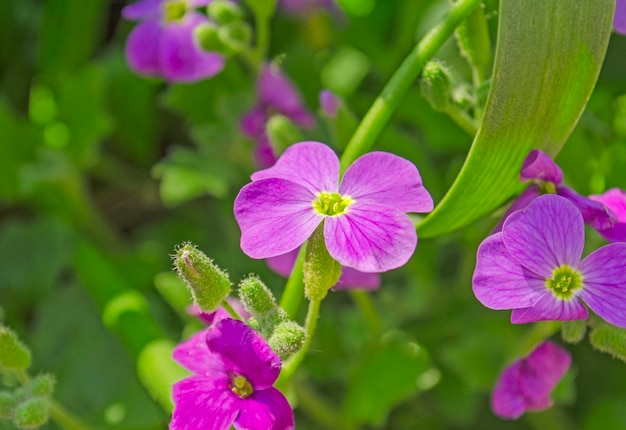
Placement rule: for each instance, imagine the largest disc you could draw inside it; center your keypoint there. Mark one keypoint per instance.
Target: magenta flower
(547, 177)
(350, 279)
(615, 200)
(329, 103)
(276, 95)
(534, 267)
(232, 385)
(365, 225)
(163, 43)
(527, 383)
(210, 318)
(619, 19)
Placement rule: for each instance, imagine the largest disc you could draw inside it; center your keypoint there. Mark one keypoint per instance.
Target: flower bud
(288, 338)
(329, 103)
(224, 11)
(209, 284)
(42, 385)
(609, 339)
(435, 85)
(208, 38)
(321, 272)
(256, 298)
(268, 324)
(573, 331)
(473, 39)
(14, 355)
(7, 404)
(235, 36)
(282, 133)
(32, 413)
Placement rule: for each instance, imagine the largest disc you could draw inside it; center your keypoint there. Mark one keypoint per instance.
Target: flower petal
(244, 352)
(386, 179)
(549, 308)
(181, 59)
(283, 264)
(619, 20)
(310, 164)
(615, 198)
(594, 213)
(143, 9)
(539, 166)
(276, 91)
(193, 354)
(546, 234)
(267, 410)
(500, 282)
(542, 370)
(275, 216)
(507, 400)
(264, 153)
(370, 237)
(204, 403)
(604, 283)
(142, 48)
(253, 122)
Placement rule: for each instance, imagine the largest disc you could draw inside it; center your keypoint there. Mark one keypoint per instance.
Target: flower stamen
(241, 386)
(565, 280)
(331, 204)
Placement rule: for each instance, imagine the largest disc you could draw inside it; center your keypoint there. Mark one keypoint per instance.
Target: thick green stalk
(383, 107)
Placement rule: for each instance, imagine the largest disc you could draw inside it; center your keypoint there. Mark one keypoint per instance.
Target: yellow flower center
(175, 10)
(241, 386)
(331, 204)
(565, 280)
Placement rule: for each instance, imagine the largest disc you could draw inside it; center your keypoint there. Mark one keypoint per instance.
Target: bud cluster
(227, 34)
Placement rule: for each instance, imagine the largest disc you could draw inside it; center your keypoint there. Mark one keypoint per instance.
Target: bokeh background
(103, 173)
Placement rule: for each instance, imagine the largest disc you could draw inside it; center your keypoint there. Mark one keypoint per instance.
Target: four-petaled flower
(365, 224)
(527, 383)
(276, 95)
(534, 267)
(163, 43)
(232, 385)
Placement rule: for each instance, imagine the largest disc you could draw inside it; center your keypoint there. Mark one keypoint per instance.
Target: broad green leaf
(548, 56)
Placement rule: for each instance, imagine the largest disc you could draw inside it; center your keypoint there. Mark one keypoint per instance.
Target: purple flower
(534, 267)
(365, 225)
(234, 370)
(615, 200)
(276, 94)
(329, 103)
(527, 383)
(163, 43)
(350, 279)
(547, 177)
(619, 20)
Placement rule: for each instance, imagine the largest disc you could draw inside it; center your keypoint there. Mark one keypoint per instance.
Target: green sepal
(321, 272)
(14, 355)
(255, 297)
(7, 404)
(435, 85)
(288, 338)
(609, 339)
(208, 283)
(224, 11)
(573, 331)
(31, 413)
(282, 133)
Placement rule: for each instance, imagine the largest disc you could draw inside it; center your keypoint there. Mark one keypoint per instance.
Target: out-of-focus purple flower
(365, 221)
(234, 370)
(350, 279)
(534, 267)
(302, 8)
(163, 43)
(329, 103)
(210, 318)
(527, 383)
(619, 19)
(547, 177)
(275, 95)
(615, 200)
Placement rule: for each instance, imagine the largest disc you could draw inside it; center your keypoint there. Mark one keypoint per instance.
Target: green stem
(228, 308)
(365, 305)
(291, 365)
(462, 119)
(292, 297)
(262, 37)
(383, 107)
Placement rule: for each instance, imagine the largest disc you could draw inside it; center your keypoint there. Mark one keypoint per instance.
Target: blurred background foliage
(103, 173)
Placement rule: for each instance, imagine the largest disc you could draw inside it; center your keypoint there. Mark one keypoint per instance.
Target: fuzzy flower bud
(256, 298)
(14, 355)
(287, 339)
(224, 11)
(7, 404)
(209, 284)
(609, 339)
(573, 331)
(268, 324)
(208, 38)
(42, 385)
(235, 36)
(320, 270)
(435, 85)
(32, 413)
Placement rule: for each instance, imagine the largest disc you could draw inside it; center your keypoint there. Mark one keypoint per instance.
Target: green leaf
(548, 57)
(387, 373)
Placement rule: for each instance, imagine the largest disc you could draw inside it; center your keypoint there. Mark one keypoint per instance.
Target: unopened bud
(435, 85)
(208, 38)
(329, 103)
(268, 324)
(473, 38)
(7, 404)
(609, 339)
(282, 133)
(321, 272)
(209, 284)
(14, 355)
(256, 298)
(32, 413)
(42, 385)
(235, 36)
(573, 331)
(288, 338)
(224, 11)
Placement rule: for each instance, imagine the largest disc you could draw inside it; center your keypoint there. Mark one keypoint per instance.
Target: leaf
(548, 57)
(387, 373)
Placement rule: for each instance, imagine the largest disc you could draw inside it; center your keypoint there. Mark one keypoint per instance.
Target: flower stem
(383, 107)
(364, 302)
(291, 365)
(262, 37)
(232, 312)
(462, 119)
(291, 299)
